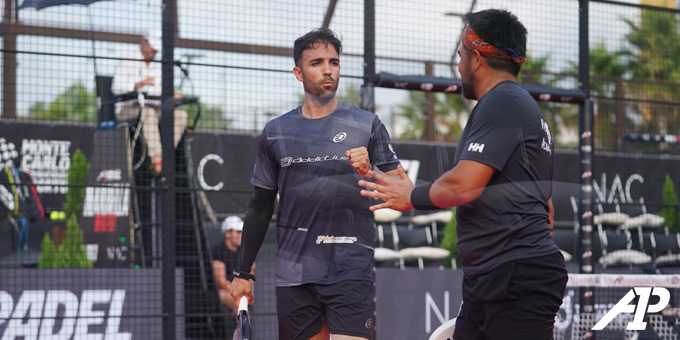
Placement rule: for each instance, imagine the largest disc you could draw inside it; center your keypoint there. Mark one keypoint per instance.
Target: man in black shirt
(514, 274)
(225, 257)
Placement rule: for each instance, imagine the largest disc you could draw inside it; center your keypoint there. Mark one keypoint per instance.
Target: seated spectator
(225, 257)
(145, 76)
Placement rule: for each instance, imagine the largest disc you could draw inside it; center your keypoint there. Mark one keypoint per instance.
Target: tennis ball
(62, 215)
(54, 215)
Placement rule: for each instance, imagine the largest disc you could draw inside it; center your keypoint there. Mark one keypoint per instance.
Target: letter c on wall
(201, 166)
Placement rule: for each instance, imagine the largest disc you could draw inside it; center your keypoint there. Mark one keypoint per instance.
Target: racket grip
(243, 304)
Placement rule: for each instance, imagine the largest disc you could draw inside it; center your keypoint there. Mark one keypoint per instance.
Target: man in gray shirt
(313, 157)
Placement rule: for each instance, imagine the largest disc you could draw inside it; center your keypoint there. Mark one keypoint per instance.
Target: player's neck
(318, 108)
(490, 80)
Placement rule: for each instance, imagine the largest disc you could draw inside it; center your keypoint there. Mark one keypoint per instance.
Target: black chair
(666, 249)
(106, 101)
(633, 209)
(617, 249)
(386, 254)
(386, 236)
(106, 105)
(416, 246)
(106, 115)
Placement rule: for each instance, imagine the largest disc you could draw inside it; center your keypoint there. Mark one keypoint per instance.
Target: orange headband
(475, 43)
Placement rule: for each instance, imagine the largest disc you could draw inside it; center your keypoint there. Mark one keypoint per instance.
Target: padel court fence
(95, 242)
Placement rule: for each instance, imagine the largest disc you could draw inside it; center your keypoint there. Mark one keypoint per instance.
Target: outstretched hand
(359, 159)
(395, 190)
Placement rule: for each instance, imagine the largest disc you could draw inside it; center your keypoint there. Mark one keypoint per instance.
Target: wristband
(243, 275)
(420, 198)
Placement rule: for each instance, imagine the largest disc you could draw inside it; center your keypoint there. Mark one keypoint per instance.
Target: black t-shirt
(229, 258)
(325, 230)
(509, 220)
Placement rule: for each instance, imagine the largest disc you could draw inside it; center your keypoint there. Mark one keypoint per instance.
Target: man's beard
(320, 90)
(468, 85)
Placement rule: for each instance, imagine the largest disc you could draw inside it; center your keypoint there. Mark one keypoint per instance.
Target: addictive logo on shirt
(339, 137)
(287, 161)
(335, 239)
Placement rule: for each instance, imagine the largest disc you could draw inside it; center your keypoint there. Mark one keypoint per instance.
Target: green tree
(77, 179)
(76, 104)
(212, 116)
(562, 118)
(48, 256)
(450, 239)
(72, 252)
(607, 71)
(655, 67)
(448, 110)
(670, 205)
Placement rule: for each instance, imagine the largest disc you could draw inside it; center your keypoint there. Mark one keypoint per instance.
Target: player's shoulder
(354, 110)
(351, 113)
(286, 118)
(506, 95)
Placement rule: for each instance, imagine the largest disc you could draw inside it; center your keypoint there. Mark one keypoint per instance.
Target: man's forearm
(256, 223)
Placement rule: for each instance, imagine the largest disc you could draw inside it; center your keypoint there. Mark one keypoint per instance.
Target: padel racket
(242, 331)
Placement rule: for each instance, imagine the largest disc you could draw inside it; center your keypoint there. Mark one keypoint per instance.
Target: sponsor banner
(418, 300)
(45, 151)
(617, 179)
(123, 304)
(224, 164)
(106, 220)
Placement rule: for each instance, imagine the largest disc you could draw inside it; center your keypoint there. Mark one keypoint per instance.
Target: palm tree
(562, 118)
(448, 111)
(607, 86)
(655, 68)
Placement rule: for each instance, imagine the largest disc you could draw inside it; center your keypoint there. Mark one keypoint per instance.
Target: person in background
(145, 76)
(225, 257)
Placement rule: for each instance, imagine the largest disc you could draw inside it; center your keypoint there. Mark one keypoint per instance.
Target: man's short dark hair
(309, 40)
(502, 29)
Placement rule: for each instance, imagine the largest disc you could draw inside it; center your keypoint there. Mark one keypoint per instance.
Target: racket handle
(243, 304)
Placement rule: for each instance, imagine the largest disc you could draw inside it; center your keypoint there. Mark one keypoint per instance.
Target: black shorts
(517, 300)
(347, 307)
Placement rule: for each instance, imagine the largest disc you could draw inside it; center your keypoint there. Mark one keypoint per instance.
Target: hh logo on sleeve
(476, 147)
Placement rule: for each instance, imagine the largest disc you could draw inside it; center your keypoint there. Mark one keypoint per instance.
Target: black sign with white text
(121, 304)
